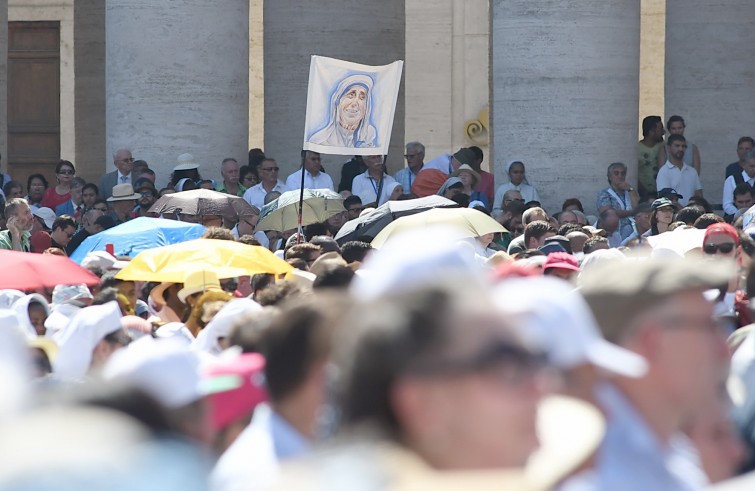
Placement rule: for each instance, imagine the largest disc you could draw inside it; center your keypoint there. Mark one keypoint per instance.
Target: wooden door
(33, 99)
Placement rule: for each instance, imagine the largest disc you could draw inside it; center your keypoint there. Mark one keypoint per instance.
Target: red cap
(561, 260)
(235, 388)
(721, 228)
(514, 269)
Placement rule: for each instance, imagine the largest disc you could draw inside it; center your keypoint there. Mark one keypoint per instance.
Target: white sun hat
(554, 316)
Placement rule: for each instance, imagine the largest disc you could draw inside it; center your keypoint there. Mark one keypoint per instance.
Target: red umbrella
(28, 271)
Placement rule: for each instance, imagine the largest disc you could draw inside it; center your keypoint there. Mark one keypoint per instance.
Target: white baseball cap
(164, 368)
(550, 313)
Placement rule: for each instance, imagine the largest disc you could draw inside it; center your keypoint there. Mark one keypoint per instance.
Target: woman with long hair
(61, 192)
(37, 186)
(661, 217)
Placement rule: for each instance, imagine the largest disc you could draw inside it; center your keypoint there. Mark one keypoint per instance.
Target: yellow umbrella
(226, 258)
(466, 222)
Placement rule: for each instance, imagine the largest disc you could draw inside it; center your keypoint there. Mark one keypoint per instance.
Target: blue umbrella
(137, 235)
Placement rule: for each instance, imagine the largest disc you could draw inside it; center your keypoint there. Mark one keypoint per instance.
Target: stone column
(4, 84)
(362, 31)
(89, 72)
(710, 79)
(178, 81)
(565, 92)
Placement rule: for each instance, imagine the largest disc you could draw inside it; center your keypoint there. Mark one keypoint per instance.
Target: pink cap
(561, 260)
(234, 388)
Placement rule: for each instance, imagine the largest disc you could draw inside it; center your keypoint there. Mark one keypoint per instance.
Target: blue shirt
(253, 461)
(632, 457)
(406, 178)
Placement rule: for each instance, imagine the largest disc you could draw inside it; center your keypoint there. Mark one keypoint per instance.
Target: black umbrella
(367, 226)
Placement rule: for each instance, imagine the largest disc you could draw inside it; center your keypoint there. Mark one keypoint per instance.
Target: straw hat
(186, 162)
(198, 281)
(124, 192)
(470, 170)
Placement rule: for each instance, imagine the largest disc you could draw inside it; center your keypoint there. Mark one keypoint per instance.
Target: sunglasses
(724, 248)
(520, 362)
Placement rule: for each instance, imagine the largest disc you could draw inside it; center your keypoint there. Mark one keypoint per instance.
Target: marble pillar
(565, 92)
(89, 90)
(361, 31)
(710, 79)
(178, 81)
(4, 84)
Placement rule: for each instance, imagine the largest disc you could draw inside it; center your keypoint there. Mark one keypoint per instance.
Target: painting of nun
(349, 124)
(350, 107)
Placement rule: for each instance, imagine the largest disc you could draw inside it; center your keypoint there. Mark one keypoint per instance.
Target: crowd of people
(607, 347)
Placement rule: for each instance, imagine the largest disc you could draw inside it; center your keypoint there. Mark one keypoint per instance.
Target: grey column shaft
(363, 31)
(178, 81)
(565, 92)
(89, 70)
(4, 84)
(710, 79)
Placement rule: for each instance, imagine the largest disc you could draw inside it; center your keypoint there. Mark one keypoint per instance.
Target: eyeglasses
(67, 172)
(724, 248)
(270, 169)
(515, 364)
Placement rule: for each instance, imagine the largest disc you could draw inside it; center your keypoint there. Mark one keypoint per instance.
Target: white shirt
(320, 181)
(528, 192)
(253, 461)
(728, 198)
(366, 188)
(255, 195)
(685, 180)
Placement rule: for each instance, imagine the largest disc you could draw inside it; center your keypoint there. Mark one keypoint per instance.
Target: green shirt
(7, 244)
(647, 167)
(222, 189)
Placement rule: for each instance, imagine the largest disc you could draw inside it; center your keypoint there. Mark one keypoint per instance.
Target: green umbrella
(317, 206)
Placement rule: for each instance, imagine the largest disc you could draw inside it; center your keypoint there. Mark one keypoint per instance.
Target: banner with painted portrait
(350, 107)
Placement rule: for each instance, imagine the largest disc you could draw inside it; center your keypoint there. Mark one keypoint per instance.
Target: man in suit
(124, 164)
(74, 206)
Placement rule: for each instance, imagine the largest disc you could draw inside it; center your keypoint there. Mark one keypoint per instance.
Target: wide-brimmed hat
(198, 281)
(643, 285)
(467, 168)
(186, 162)
(465, 156)
(156, 294)
(124, 192)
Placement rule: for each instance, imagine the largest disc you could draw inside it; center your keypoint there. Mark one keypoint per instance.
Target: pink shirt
(52, 199)
(486, 185)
